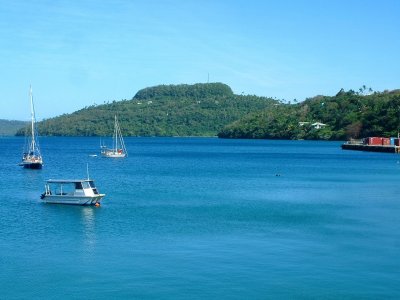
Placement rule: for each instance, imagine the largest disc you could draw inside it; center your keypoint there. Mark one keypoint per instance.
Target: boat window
(62, 188)
(78, 186)
(92, 184)
(85, 185)
(55, 188)
(68, 188)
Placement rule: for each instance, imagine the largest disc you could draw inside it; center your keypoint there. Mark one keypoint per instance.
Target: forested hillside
(166, 110)
(347, 115)
(10, 127)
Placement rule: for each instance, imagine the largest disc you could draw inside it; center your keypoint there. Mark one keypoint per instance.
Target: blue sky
(77, 53)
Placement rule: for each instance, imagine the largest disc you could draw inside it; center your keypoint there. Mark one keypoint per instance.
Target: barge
(374, 144)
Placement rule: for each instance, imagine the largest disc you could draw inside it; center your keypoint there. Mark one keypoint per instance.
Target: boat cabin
(75, 188)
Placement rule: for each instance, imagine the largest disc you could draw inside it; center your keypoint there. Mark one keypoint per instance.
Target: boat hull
(32, 165)
(72, 200)
(113, 155)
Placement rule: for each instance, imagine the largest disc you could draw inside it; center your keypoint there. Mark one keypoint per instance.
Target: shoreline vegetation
(347, 115)
(213, 110)
(165, 110)
(11, 127)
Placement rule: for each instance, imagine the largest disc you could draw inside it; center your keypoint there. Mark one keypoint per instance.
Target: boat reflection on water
(88, 217)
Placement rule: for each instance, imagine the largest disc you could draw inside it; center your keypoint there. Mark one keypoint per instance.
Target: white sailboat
(118, 150)
(32, 158)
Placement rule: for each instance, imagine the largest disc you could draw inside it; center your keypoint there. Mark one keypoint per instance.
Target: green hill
(10, 127)
(347, 115)
(165, 110)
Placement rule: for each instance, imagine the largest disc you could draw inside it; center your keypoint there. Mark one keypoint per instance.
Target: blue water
(203, 218)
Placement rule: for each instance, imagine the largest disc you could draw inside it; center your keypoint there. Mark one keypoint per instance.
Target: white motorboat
(32, 158)
(77, 192)
(118, 150)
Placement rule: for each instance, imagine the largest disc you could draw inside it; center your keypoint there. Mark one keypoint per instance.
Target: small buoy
(97, 204)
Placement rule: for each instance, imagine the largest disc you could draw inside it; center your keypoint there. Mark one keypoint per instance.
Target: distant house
(318, 125)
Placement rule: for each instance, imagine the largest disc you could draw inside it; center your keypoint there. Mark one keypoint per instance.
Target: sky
(77, 53)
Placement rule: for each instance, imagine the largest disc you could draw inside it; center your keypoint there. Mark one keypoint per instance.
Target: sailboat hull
(32, 165)
(113, 154)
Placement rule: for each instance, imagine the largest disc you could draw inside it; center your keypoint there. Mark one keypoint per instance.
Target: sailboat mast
(115, 134)
(32, 120)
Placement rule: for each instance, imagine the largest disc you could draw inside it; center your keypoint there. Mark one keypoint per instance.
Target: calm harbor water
(203, 218)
